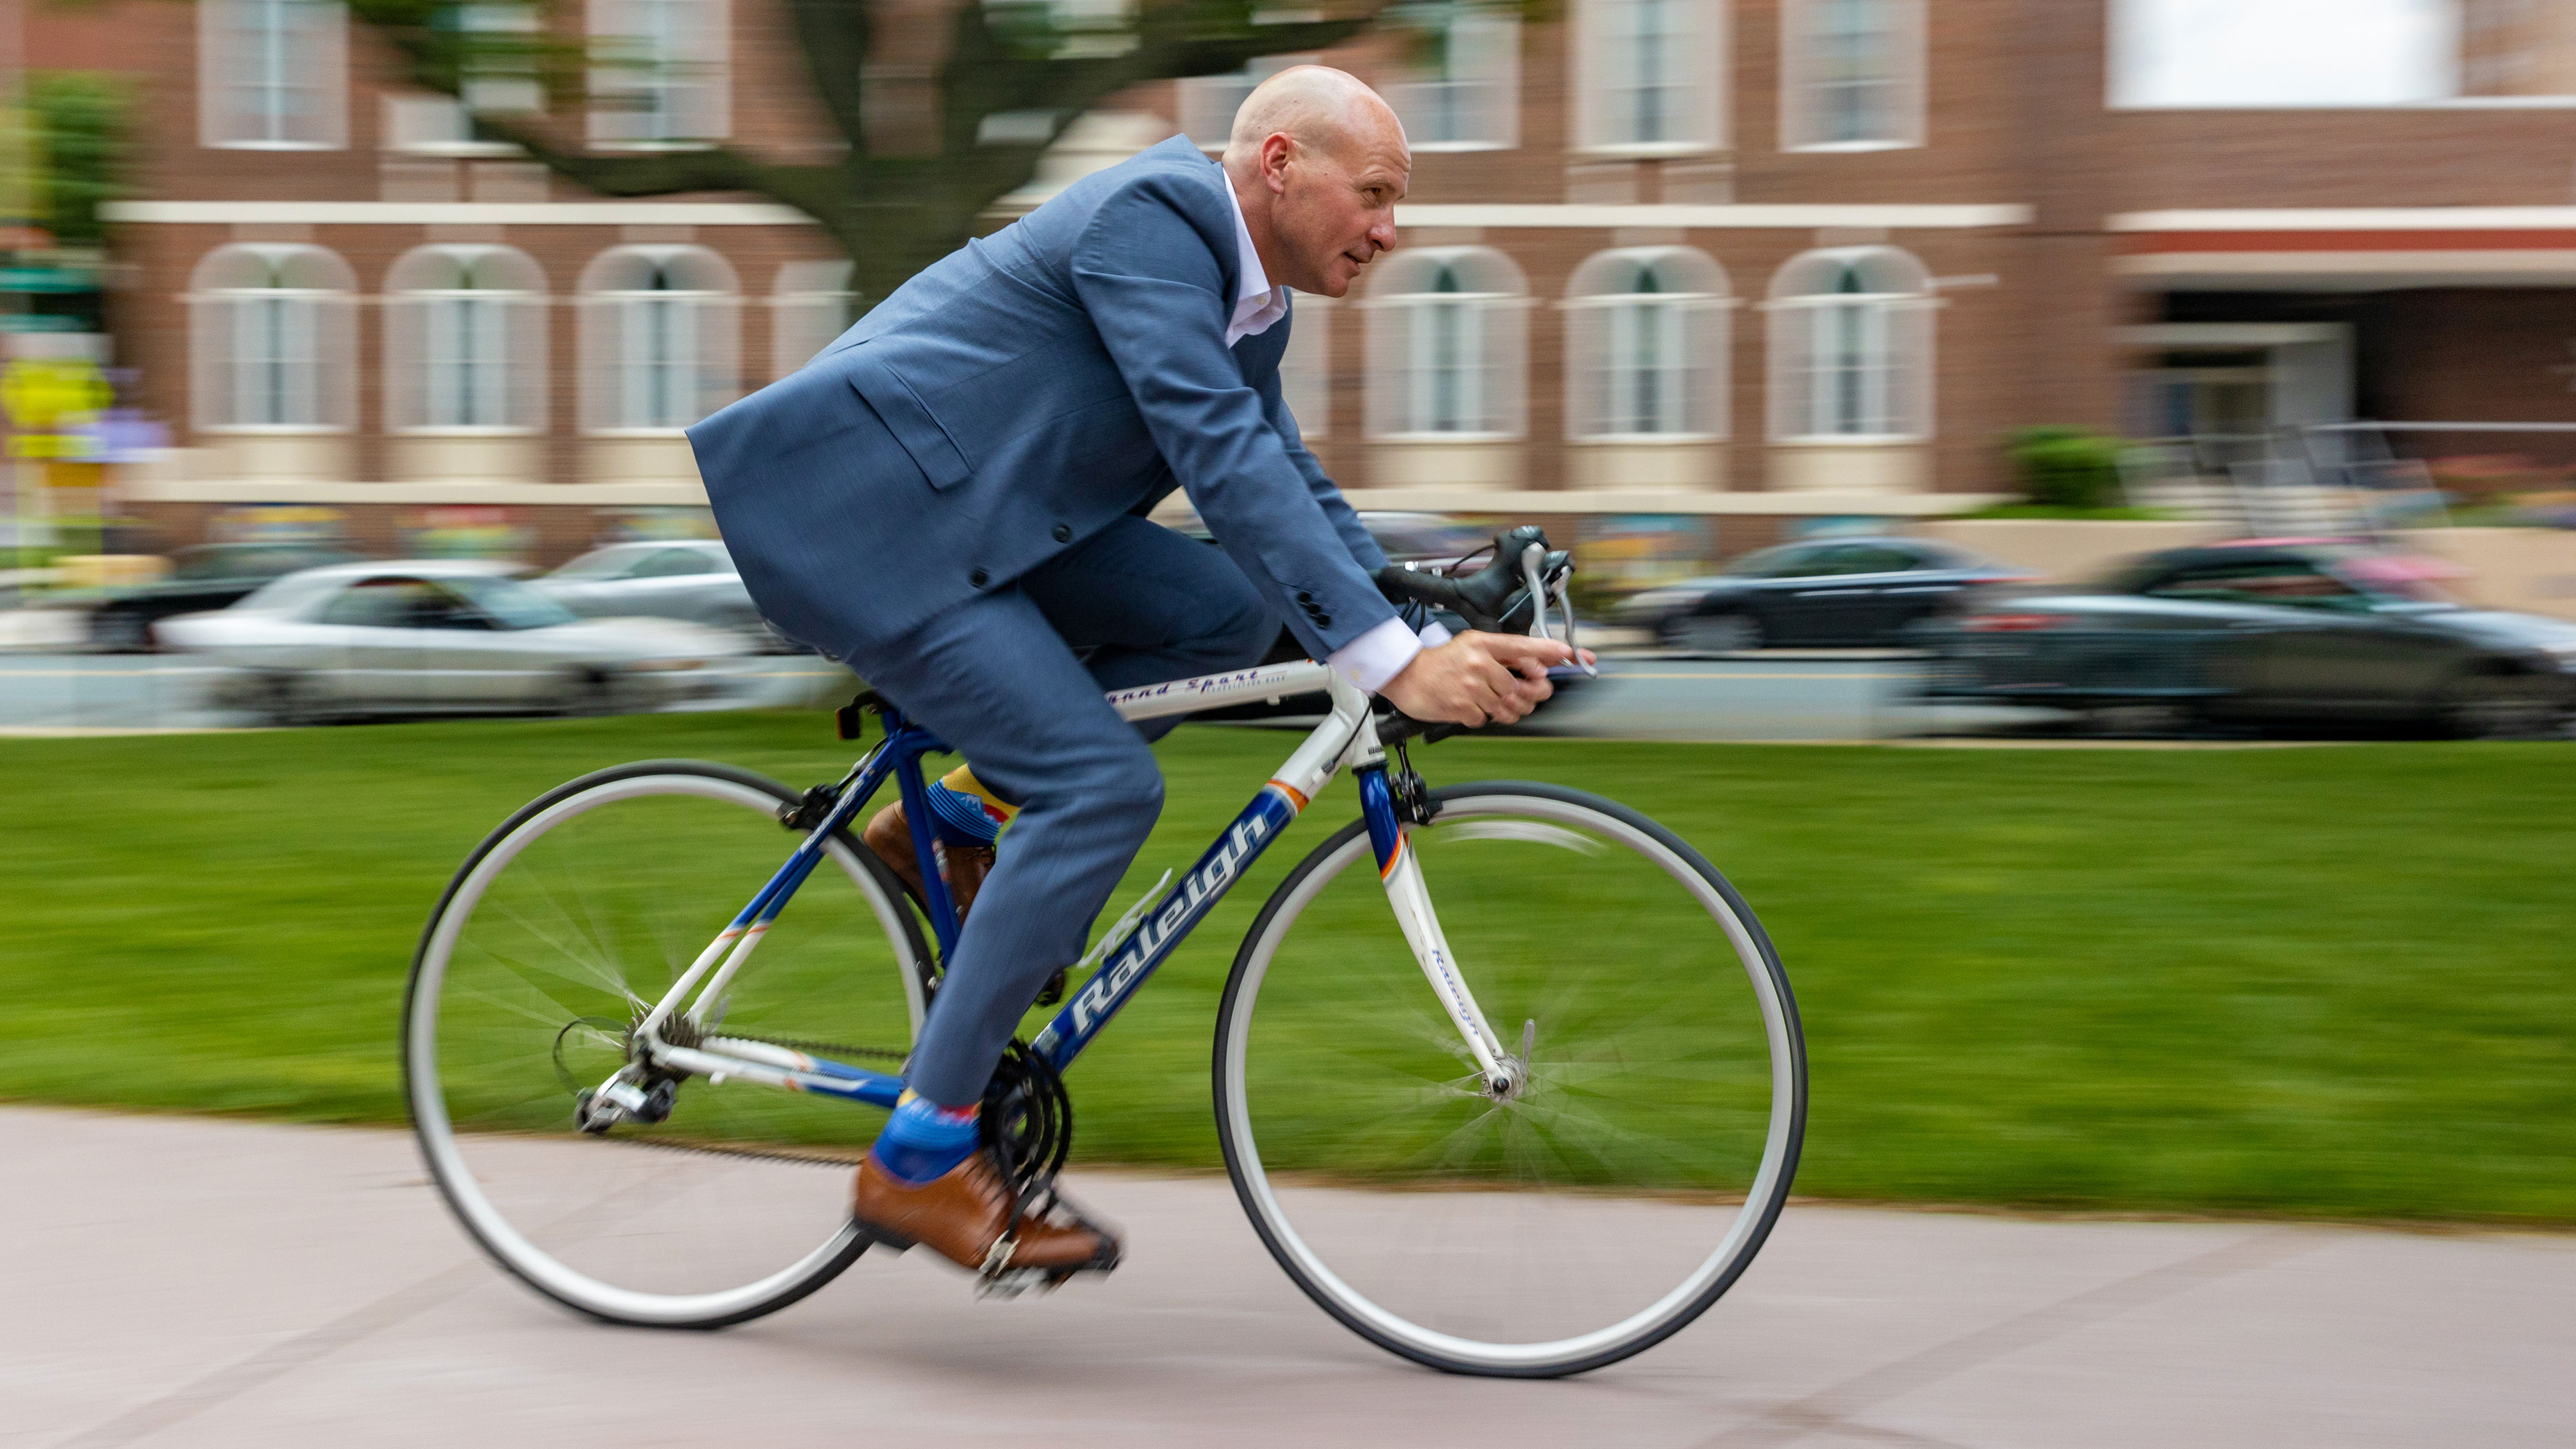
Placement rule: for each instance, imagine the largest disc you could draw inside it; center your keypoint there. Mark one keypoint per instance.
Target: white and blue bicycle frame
(1128, 954)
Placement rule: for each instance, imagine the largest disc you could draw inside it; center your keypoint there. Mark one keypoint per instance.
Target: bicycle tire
(453, 1164)
(1260, 1189)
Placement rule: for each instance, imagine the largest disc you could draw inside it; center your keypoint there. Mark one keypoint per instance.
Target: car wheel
(2140, 719)
(1715, 633)
(287, 700)
(2497, 705)
(121, 631)
(588, 693)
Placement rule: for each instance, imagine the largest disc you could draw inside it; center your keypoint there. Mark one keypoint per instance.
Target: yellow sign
(43, 393)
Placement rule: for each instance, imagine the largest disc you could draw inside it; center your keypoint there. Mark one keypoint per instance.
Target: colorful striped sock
(964, 812)
(923, 1141)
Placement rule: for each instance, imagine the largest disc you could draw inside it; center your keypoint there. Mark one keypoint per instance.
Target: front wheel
(1625, 1180)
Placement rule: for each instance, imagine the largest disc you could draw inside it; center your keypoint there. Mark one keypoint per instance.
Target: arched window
(660, 337)
(1646, 346)
(1650, 76)
(1447, 333)
(663, 77)
(1462, 90)
(810, 304)
(1208, 102)
(1852, 74)
(465, 341)
(273, 339)
(1306, 367)
(1852, 347)
(273, 75)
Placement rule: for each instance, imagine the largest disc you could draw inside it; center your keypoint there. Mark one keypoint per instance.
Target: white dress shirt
(1382, 653)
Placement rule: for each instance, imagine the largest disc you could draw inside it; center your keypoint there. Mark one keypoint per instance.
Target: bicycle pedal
(1016, 1283)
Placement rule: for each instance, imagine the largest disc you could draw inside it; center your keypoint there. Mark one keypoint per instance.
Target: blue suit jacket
(1019, 395)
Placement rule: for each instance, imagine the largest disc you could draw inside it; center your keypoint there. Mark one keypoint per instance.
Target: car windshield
(508, 604)
(1782, 562)
(290, 593)
(602, 563)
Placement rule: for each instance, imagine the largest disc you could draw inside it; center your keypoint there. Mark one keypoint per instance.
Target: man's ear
(1277, 150)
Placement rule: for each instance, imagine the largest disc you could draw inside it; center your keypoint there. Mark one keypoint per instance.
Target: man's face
(1335, 206)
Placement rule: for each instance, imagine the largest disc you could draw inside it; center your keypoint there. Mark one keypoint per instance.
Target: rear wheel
(723, 1200)
(1717, 634)
(1608, 1197)
(2497, 705)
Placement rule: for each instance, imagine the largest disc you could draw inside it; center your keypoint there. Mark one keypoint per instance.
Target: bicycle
(1528, 1201)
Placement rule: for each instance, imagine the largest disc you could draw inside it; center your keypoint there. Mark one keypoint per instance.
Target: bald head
(1322, 108)
(1318, 162)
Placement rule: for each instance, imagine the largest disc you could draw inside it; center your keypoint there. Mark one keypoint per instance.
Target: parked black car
(206, 576)
(2265, 630)
(1832, 591)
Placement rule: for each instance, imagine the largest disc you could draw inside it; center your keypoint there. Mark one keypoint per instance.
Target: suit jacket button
(1064, 533)
(978, 578)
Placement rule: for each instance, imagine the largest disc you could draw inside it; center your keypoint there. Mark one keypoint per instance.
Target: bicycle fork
(1400, 870)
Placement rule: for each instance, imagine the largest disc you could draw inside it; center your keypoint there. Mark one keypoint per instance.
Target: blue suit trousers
(1013, 679)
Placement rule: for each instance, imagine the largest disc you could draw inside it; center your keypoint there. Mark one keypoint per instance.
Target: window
(1305, 369)
(659, 73)
(1446, 343)
(2291, 583)
(1462, 92)
(1646, 346)
(465, 341)
(384, 604)
(672, 563)
(810, 304)
(1866, 558)
(273, 74)
(1851, 75)
(1208, 102)
(1851, 347)
(660, 329)
(1650, 76)
(272, 339)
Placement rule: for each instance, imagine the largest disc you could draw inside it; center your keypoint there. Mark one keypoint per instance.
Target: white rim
(1748, 1219)
(429, 1103)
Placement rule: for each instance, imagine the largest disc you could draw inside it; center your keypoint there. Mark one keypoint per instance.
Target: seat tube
(1400, 870)
(908, 746)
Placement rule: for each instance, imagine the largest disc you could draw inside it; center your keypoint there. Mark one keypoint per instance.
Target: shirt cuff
(1381, 654)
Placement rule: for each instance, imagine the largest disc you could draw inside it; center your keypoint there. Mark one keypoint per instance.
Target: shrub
(2064, 467)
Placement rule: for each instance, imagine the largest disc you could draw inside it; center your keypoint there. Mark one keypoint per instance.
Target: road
(192, 1282)
(1641, 696)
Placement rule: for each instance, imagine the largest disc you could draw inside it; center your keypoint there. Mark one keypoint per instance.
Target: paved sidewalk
(181, 1282)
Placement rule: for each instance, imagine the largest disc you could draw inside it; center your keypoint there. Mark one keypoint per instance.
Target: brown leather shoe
(963, 867)
(961, 1217)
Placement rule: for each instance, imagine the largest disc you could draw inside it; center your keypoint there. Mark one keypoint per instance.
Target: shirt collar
(1257, 304)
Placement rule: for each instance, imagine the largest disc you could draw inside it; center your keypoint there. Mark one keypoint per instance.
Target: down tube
(1126, 965)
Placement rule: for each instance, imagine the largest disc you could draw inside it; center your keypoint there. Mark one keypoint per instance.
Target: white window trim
(1714, 79)
(1574, 375)
(614, 80)
(216, 80)
(1507, 84)
(1929, 382)
(1424, 301)
(1915, 53)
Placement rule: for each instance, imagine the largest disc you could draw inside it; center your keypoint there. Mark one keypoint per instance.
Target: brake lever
(1531, 557)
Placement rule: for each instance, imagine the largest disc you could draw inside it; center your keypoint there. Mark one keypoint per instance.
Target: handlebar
(1509, 595)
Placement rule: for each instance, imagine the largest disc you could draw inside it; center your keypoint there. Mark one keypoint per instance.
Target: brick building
(1729, 265)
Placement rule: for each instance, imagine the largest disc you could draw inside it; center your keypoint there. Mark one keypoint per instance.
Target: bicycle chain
(811, 1158)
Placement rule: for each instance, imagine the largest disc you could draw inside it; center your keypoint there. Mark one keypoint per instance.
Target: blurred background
(2115, 397)
(1861, 348)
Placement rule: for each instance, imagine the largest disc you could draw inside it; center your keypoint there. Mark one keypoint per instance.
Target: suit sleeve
(1150, 280)
(1337, 509)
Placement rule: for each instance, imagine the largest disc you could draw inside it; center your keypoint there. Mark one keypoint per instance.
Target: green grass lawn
(2335, 981)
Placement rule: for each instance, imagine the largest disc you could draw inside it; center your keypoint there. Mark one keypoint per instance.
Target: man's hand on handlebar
(1479, 678)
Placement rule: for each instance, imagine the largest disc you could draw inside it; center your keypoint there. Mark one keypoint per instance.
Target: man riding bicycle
(952, 499)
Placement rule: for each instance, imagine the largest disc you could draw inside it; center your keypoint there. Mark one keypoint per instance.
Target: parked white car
(692, 579)
(442, 635)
